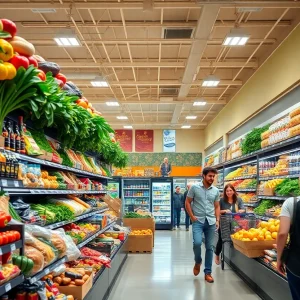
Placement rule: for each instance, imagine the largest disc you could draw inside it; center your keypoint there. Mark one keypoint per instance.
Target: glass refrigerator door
(136, 194)
(193, 181)
(180, 182)
(161, 202)
(113, 189)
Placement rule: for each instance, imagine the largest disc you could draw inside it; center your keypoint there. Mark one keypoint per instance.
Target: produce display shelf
(261, 178)
(254, 204)
(6, 287)
(16, 191)
(56, 165)
(11, 247)
(136, 196)
(270, 267)
(242, 177)
(282, 198)
(47, 270)
(261, 151)
(81, 217)
(90, 238)
(246, 190)
(264, 218)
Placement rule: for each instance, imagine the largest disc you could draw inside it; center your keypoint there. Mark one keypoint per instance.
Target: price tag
(7, 287)
(16, 183)
(47, 271)
(33, 280)
(4, 182)
(13, 247)
(0, 251)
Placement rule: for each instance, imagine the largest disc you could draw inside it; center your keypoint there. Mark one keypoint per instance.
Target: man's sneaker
(196, 269)
(209, 278)
(187, 229)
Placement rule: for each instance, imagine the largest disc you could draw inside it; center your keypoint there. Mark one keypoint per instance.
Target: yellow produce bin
(252, 249)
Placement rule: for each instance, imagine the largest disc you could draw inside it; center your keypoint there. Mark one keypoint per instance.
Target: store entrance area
(166, 274)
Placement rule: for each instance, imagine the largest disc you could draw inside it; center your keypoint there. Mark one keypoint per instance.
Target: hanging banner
(144, 141)
(169, 140)
(124, 137)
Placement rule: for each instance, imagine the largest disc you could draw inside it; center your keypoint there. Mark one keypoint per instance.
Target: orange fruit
(260, 237)
(250, 235)
(274, 235)
(269, 237)
(255, 240)
(267, 233)
(272, 228)
(245, 234)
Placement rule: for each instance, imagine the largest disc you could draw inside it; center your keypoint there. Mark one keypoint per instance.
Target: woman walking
(230, 203)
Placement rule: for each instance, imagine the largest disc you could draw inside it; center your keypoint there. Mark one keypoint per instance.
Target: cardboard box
(253, 249)
(114, 204)
(78, 292)
(146, 223)
(139, 243)
(268, 191)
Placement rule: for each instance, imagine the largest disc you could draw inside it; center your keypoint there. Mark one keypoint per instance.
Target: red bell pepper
(61, 77)
(8, 26)
(32, 61)
(19, 61)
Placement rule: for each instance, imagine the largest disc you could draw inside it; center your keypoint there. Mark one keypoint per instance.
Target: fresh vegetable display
(264, 206)
(135, 215)
(4, 219)
(288, 187)
(9, 236)
(6, 50)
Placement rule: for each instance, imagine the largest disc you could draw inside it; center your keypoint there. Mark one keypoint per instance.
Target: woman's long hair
(234, 196)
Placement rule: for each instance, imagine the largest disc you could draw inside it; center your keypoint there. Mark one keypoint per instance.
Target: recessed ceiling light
(67, 41)
(186, 126)
(211, 81)
(199, 103)
(100, 83)
(112, 103)
(122, 118)
(191, 117)
(127, 127)
(236, 37)
(43, 10)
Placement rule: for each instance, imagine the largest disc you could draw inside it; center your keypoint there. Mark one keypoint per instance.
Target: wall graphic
(169, 140)
(124, 137)
(144, 140)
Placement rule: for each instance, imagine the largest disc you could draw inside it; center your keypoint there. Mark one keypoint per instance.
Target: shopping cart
(230, 224)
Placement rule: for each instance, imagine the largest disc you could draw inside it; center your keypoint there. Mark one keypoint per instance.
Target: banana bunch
(237, 173)
(273, 183)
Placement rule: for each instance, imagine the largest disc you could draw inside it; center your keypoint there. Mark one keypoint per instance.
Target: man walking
(187, 217)
(178, 204)
(205, 215)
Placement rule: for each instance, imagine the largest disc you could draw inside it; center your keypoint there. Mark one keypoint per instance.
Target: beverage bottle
(6, 136)
(17, 139)
(2, 164)
(11, 135)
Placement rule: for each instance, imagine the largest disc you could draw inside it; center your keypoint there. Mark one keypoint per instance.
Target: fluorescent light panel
(112, 103)
(99, 83)
(236, 37)
(66, 41)
(186, 126)
(122, 118)
(199, 103)
(210, 81)
(127, 127)
(191, 117)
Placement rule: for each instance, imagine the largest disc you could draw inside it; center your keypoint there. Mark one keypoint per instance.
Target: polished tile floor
(166, 274)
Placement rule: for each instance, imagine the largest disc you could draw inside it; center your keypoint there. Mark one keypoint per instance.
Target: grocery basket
(230, 224)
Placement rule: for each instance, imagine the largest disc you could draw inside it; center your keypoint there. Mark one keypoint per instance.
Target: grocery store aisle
(167, 274)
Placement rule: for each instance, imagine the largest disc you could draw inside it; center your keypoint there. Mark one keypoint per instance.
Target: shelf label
(47, 271)
(7, 287)
(0, 251)
(4, 182)
(16, 183)
(13, 247)
(33, 280)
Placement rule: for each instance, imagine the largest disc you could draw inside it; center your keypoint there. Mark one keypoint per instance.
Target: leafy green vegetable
(134, 215)
(263, 206)
(41, 140)
(66, 160)
(252, 141)
(288, 187)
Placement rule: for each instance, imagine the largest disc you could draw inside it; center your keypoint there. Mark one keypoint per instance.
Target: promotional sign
(124, 137)
(169, 140)
(144, 141)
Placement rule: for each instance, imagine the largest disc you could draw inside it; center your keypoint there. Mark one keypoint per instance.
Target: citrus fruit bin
(254, 241)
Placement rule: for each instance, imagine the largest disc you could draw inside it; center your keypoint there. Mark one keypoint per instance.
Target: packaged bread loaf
(295, 130)
(265, 143)
(295, 112)
(59, 244)
(294, 121)
(265, 135)
(37, 257)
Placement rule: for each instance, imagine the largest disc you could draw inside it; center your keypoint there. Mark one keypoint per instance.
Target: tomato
(1, 240)
(42, 75)
(4, 238)
(11, 237)
(17, 235)
(19, 61)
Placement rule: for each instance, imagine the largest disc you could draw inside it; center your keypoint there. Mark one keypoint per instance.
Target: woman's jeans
(219, 244)
(209, 234)
(294, 283)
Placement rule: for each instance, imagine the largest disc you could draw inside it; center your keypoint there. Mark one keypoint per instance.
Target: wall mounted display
(124, 137)
(144, 140)
(169, 140)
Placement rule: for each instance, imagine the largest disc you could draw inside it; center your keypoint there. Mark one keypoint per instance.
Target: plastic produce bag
(72, 252)
(4, 200)
(39, 231)
(48, 252)
(59, 243)
(59, 270)
(37, 257)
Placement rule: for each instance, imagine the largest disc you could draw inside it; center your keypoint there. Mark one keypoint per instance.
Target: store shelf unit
(6, 287)
(262, 277)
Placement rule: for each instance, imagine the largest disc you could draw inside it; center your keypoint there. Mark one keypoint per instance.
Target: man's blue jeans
(209, 234)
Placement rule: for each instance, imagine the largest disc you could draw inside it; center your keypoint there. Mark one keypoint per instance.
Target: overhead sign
(169, 140)
(144, 141)
(124, 137)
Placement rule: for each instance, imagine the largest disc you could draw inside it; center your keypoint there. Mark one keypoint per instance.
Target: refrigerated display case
(114, 187)
(162, 204)
(183, 182)
(136, 194)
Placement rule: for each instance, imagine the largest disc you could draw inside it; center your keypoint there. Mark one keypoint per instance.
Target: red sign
(144, 141)
(124, 137)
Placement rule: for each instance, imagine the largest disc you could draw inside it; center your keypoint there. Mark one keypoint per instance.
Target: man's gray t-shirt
(287, 208)
(203, 204)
